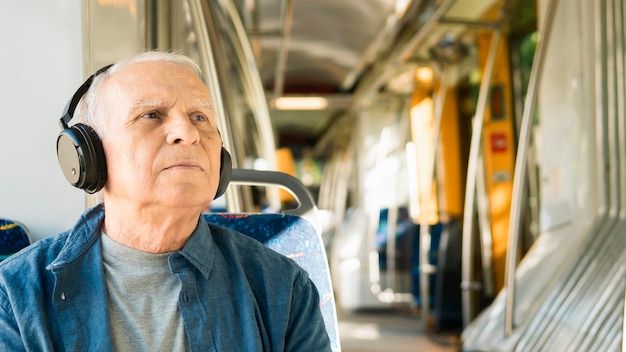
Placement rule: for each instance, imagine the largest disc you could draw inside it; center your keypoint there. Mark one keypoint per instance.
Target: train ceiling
(341, 50)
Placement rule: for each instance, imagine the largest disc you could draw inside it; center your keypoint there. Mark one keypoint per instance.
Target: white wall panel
(40, 67)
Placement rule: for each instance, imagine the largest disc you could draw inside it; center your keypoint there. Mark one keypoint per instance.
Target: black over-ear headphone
(81, 155)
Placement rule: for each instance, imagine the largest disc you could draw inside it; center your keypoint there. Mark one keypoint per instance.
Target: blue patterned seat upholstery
(295, 238)
(13, 237)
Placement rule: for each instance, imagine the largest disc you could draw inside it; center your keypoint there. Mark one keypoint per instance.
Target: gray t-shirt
(142, 299)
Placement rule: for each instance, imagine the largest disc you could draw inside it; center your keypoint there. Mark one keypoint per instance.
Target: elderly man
(143, 271)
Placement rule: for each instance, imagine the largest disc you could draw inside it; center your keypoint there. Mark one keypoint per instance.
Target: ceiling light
(300, 103)
(424, 75)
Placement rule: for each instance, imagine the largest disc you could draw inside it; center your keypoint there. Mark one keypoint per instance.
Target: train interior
(465, 158)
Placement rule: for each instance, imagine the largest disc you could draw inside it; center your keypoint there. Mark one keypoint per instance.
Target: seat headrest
(13, 237)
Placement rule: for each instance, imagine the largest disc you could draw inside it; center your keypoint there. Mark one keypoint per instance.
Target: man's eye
(199, 118)
(150, 115)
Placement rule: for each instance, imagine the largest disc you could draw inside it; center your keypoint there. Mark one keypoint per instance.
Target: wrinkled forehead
(155, 72)
(155, 83)
(155, 102)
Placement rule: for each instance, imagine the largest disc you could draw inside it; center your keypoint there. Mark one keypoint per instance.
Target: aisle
(387, 331)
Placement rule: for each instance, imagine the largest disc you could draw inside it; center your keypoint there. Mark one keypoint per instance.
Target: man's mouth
(185, 165)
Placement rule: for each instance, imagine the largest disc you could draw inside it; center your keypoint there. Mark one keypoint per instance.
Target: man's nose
(180, 129)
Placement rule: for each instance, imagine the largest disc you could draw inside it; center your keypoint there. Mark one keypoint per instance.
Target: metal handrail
(620, 91)
(201, 19)
(255, 90)
(484, 224)
(306, 204)
(382, 69)
(204, 18)
(467, 268)
(521, 166)
(286, 18)
(426, 269)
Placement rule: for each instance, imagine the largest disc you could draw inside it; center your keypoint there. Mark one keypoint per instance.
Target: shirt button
(63, 296)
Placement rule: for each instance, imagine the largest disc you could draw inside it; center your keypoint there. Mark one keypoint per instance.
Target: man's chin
(187, 195)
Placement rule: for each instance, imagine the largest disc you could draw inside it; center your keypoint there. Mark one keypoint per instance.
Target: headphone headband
(70, 107)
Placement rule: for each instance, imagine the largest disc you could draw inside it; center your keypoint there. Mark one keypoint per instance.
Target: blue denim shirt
(236, 295)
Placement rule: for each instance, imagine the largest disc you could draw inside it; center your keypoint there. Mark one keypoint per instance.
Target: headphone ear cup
(226, 170)
(81, 158)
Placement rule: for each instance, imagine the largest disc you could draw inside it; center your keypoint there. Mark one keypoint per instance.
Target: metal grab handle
(427, 269)
(520, 168)
(210, 62)
(205, 19)
(306, 204)
(305, 200)
(470, 190)
(254, 91)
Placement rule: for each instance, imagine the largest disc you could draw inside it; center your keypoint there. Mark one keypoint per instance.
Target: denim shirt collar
(198, 250)
(81, 237)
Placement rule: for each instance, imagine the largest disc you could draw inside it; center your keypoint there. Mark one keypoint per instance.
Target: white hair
(87, 111)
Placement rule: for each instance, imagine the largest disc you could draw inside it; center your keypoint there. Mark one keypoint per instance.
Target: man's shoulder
(34, 258)
(37, 256)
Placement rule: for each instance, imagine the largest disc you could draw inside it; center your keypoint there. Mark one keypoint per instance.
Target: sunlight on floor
(359, 331)
(386, 331)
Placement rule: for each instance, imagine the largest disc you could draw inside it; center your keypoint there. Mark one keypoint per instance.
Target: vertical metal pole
(618, 10)
(484, 224)
(205, 28)
(286, 16)
(392, 229)
(624, 322)
(255, 91)
(520, 167)
(467, 267)
(426, 269)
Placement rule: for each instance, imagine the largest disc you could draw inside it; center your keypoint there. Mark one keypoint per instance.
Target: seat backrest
(295, 238)
(294, 234)
(13, 237)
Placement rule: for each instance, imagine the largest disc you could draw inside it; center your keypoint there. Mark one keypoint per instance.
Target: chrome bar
(520, 168)
(467, 265)
(620, 91)
(206, 30)
(304, 198)
(256, 94)
(393, 25)
(620, 66)
(427, 269)
(209, 66)
(624, 320)
(484, 224)
(382, 69)
(392, 227)
(286, 16)
(469, 23)
(264, 34)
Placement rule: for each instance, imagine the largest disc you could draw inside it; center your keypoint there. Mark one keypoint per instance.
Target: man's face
(160, 136)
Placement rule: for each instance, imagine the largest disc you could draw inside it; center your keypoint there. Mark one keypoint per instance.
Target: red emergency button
(498, 142)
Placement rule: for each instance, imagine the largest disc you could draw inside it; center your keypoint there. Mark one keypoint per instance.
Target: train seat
(13, 237)
(291, 235)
